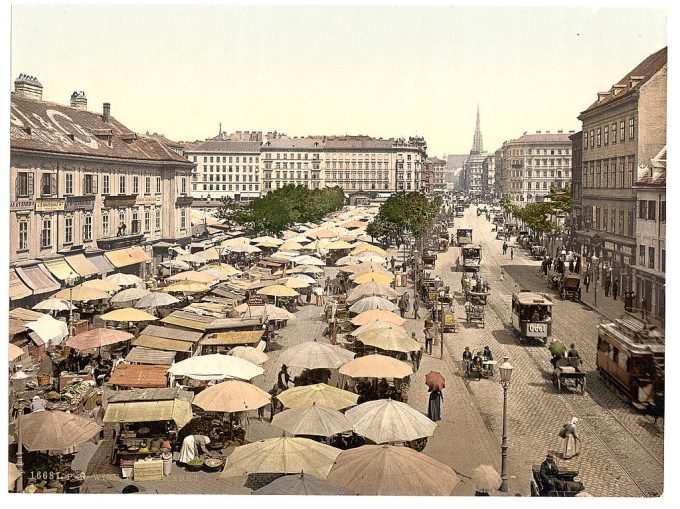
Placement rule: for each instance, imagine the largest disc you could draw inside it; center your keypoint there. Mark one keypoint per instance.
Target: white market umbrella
(308, 260)
(315, 355)
(215, 367)
(384, 421)
(129, 295)
(250, 354)
(315, 420)
(368, 303)
(53, 305)
(121, 279)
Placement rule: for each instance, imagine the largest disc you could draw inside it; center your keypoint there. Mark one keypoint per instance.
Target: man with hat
(550, 477)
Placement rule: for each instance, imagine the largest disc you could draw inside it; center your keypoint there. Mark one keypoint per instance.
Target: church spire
(477, 143)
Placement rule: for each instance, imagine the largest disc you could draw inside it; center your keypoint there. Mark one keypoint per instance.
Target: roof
(142, 355)
(149, 411)
(38, 279)
(308, 143)
(165, 394)
(139, 375)
(644, 71)
(170, 333)
(124, 257)
(25, 315)
(543, 138)
(156, 343)
(531, 298)
(232, 338)
(235, 323)
(250, 147)
(188, 320)
(49, 127)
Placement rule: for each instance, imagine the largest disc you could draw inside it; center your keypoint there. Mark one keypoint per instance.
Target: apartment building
(292, 161)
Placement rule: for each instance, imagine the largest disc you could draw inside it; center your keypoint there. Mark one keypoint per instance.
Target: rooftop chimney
(106, 112)
(560, 131)
(28, 87)
(78, 100)
(538, 132)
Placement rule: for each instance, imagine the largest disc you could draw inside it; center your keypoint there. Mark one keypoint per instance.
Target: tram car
(532, 316)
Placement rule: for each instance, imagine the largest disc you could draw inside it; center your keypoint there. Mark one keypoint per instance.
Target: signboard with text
(537, 330)
(18, 205)
(74, 203)
(49, 204)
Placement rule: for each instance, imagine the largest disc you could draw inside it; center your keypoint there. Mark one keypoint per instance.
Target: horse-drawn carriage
(570, 287)
(567, 373)
(429, 260)
(472, 258)
(539, 489)
(538, 252)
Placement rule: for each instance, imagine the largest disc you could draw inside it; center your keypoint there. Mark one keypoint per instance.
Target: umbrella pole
(20, 453)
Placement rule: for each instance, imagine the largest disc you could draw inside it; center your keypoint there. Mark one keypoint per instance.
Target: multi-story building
(499, 183)
(532, 163)
(649, 271)
(81, 183)
(625, 126)
(489, 175)
(226, 169)
(473, 168)
(433, 175)
(292, 161)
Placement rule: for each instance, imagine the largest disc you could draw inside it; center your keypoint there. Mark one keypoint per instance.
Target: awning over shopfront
(25, 315)
(38, 279)
(82, 265)
(150, 405)
(102, 263)
(17, 289)
(124, 257)
(60, 269)
(139, 376)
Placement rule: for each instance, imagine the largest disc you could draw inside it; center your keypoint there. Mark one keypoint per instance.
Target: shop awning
(102, 263)
(149, 411)
(232, 338)
(142, 355)
(139, 376)
(38, 279)
(82, 265)
(170, 345)
(124, 257)
(188, 320)
(17, 289)
(25, 315)
(60, 269)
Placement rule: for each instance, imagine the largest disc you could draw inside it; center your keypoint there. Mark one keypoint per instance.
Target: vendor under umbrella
(192, 447)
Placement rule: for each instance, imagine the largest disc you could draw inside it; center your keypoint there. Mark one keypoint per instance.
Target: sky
(390, 71)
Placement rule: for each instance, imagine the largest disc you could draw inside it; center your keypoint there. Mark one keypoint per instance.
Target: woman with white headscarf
(572, 442)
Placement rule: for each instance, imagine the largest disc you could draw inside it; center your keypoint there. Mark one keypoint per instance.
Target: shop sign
(536, 330)
(18, 205)
(49, 204)
(74, 203)
(126, 200)
(146, 200)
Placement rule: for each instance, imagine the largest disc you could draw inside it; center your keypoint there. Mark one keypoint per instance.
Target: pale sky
(383, 71)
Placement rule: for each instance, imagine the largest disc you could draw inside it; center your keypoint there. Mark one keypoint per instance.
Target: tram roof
(532, 299)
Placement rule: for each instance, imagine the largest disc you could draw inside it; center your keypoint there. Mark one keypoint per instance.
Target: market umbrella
(101, 284)
(96, 338)
(376, 366)
(216, 367)
(191, 258)
(129, 295)
(304, 278)
(391, 339)
(224, 268)
(236, 241)
(308, 260)
(485, 478)
(371, 249)
(269, 310)
(373, 302)
(267, 245)
(301, 239)
(321, 234)
(176, 264)
(232, 396)
(290, 245)
(14, 474)
(364, 267)
(315, 355)
(435, 380)
(121, 279)
(373, 315)
(268, 239)
(193, 275)
(156, 300)
(301, 484)
(14, 352)
(313, 420)
(347, 260)
(187, 287)
(339, 245)
(54, 430)
(385, 420)
(378, 324)
(354, 224)
(369, 256)
(250, 354)
(81, 294)
(317, 394)
(53, 305)
(393, 471)
(127, 315)
(369, 289)
(243, 248)
(294, 283)
(282, 455)
(368, 277)
(310, 269)
(277, 291)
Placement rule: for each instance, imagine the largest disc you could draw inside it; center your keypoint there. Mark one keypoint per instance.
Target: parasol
(318, 394)
(155, 300)
(250, 354)
(369, 289)
(369, 248)
(368, 256)
(373, 302)
(81, 294)
(53, 305)
(386, 420)
(101, 284)
(308, 260)
(223, 268)
(186, 287)
(373, 315)
(301, 484)
(128, 315)
(435, 380)
(376, 366)
(321, 234)
(378, 324)
(121, 279)
(193, 275)
(53, 430)
(315, 355)
(277, 291)
(313, 420)
(232, 396)
(216, 367)
(485, 478)
(378, 277)
(295, 283)
(290, 245)
(129, 295)
(391, 339)
(96, 338)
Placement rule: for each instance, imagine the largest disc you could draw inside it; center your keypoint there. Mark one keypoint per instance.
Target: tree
(404, 213)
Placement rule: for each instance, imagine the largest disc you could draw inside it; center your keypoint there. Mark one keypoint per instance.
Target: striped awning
(82, 265)
(38, 279)
(124, 257)
(60, 269)
(17, 289)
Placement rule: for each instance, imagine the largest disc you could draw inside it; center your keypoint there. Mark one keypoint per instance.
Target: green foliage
(404, 213)
(279, 209)
(541, 216)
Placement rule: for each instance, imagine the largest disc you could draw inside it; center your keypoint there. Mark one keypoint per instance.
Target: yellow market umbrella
(338, 245)
(282, 455)
(370, 247)
(232, 396)
(224, 268)
(373, 315)
(267, 244)
(373, 276)
(236, 241)
(128, 315)
(376, 366)
(193, 275)
(378, 324)
(295, 283)
(102, 284)
(321, 234)
(393, 340)
(290, 245)
(318, 394)
(186, 287)
(278, 291)
(81, 294)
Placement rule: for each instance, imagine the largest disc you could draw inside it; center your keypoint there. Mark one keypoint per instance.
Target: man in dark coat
(283, 378)
(607, 285)
(549, 475)
(434, 406)
(615, 289)
(586, 281)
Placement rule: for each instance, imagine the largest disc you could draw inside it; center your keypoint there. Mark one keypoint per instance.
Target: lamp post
(220, 251)
(205, 216)
(505, 370)
(70, 281)
(440, 295)
(594, 265)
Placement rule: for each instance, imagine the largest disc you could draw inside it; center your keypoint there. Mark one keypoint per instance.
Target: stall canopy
(38, 279)
(50, 330)
(150, 405)
(232, 338)
(60, 269)
(17, 289)
(142, 355)
(188, 320)
(102, 263)
(25, 315)
(139, 376)
(82, 265)
(167, 338)
(124, 257)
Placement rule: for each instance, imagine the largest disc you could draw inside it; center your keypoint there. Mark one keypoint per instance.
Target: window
(621, 220)
(631, 223)
(24, 184)
(23, 235)
(614, 132)
(46, 233)
(48, 184)
(147, 219)
(585, 142)
(183, 219)
(121, 184)
(158, 218)
(592, 138)
(663, 260)
(147, 185)
(651, 210)
(662, 211)
(629, 175)
(606, 135)
(105, 224)
(622, 131)
(135, 185)
(68, 183)
(631, 128)
(135, 220)
(652, 257)
(106, 184)
(87, 228)
(68, 230)
(183, 188)
(605, 217)
(90, 184)
(158, 185)
(641, 255)
(599, 136)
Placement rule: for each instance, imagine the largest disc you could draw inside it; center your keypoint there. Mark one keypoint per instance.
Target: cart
(538, 490)
(570, 287)
(429, 260)
(567, 373)
(449, 323)
(475, 314)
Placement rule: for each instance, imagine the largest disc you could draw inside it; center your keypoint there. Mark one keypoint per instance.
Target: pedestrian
(505, 247)
(573, 352)
(615, 289)
(571, 265)
(416, 307)
(434, 411)
(572, 442)
(512, 254)
(274, 401)
(318, 293)
(607, 284)
(393, 262)
(502, 274)
(586, 281)
(283, 378)
(403, 305)
(643, 308)
(428, 340)
(577, 267)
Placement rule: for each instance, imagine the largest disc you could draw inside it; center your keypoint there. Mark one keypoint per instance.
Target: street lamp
(505, 369)
(205, 216)
(441, 293)
(594, 266)
(220, 251)
(70, 282)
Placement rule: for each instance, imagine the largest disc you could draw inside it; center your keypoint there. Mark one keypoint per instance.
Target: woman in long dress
(572, 442)
(434, 406)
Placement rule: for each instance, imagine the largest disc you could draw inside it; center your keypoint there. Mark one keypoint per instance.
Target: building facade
(226, 169)
(433, 176)
(473, 167)
(532, 163)
(576, 220)
(489, 175)
(83, 183)
(292, 161)
(623, 127)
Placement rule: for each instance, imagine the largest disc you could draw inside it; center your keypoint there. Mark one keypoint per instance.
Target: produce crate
(148, 470)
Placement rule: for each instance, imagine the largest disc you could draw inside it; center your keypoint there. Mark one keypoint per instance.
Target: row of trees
(541, 217)
(404, 213)
(279, 209)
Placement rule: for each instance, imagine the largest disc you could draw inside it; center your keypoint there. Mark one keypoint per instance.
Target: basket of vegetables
(195, 464)
(213, 464)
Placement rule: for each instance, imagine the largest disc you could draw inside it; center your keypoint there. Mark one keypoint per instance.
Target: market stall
(218, 342)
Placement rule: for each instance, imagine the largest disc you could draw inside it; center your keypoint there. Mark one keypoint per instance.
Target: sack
(563, 432)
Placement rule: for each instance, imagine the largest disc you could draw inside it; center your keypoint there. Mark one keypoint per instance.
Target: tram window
(623, 361)
(614, 354)
(602, 345)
